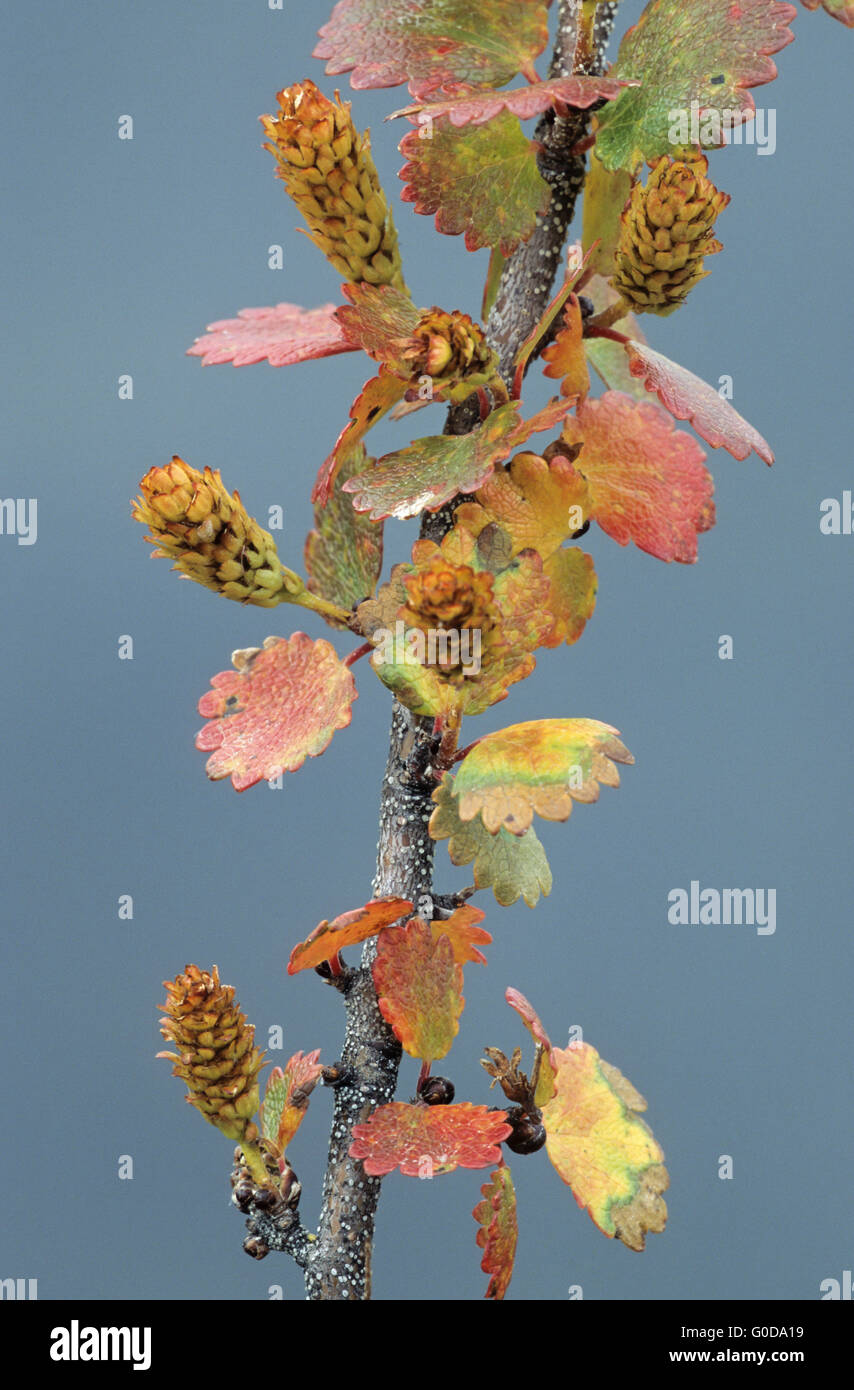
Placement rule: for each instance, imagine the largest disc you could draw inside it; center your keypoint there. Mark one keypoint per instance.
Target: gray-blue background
(117, 254)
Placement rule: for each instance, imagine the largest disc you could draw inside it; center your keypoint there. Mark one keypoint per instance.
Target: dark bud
(243, 1194)
(586, 306)
(256, 1247)
(529, 1133)
(582, 531)
(437, 1090)
(562, 448)
(264, 1197)
(291, 1189)
(338, 1075)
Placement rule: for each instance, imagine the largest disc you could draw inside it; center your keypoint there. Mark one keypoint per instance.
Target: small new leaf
(286, 1098)
(464, 934)
(565, 358)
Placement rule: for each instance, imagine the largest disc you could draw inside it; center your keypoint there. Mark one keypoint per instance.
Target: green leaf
(512, 866)
(494, 271)
(480, 180)
(605, 195)
(344, 554)
(378, 318)
(431, 471)
(607, 357)
(707, 51)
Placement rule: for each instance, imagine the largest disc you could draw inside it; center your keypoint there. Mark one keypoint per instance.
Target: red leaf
(499, 1230)
(433, 43)
(473, 108)
(646, 479)
(419, 987)
(529, 1016)
(283, 334)
(483, 181)
(689, 398)
(531, 1019)
(843, 10)
(328, 938)
(281, 705)
(426, 1140)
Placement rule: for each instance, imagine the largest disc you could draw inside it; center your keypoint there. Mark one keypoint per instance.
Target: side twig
(338, 1263)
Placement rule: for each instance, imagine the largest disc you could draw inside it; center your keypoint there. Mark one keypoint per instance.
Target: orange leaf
(541, 766)
(566, 358)
(281, 705)
(419, 986)
(646, 479)
(572, 595)
(426, 1140)
(464, 935)
(499, 1230)
(328, 938)
(538, 504)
